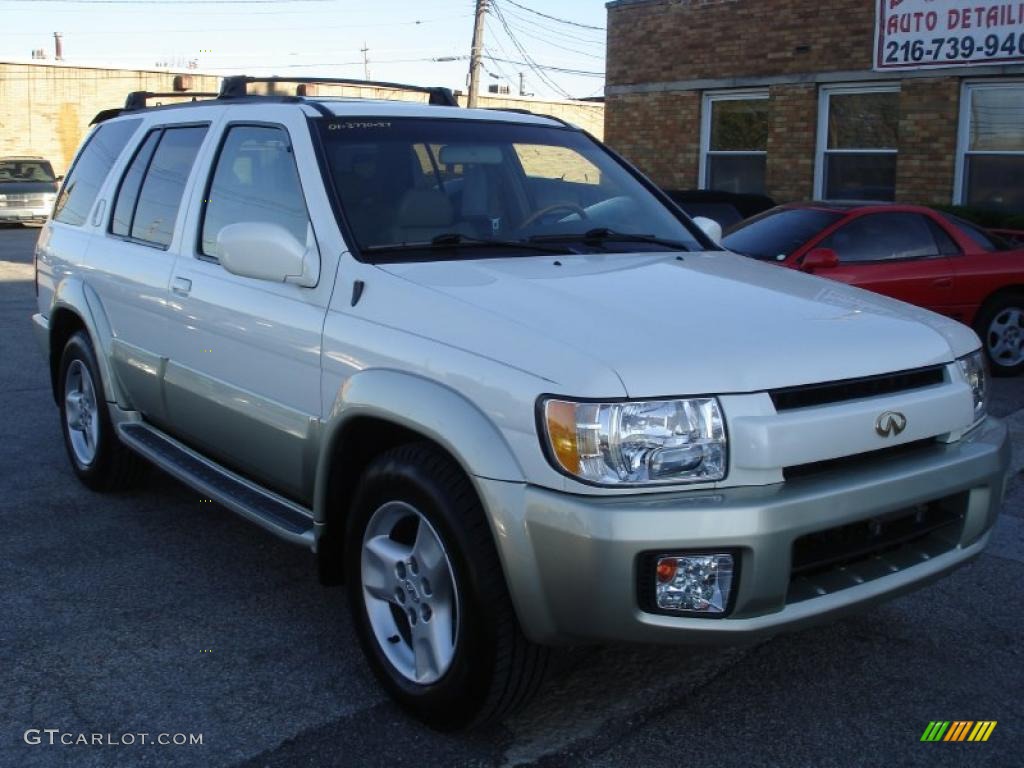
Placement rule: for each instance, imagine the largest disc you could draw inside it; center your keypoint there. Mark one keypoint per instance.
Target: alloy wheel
(81, 412)
(410, 593)
(1005, 337)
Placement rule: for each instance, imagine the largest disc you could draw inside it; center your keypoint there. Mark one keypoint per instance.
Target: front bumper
(571, 562)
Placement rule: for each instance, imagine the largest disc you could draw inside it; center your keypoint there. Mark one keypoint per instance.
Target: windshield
(22, 171)
(407, 184)
(775, 234)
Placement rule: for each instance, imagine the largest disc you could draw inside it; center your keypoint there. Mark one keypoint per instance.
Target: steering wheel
(536, 215)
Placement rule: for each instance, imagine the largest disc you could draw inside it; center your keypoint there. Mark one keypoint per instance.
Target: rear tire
(98, 458)
(1000, 324)
(410, 495)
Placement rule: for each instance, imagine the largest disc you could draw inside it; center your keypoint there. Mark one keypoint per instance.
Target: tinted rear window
(90, 170)
(778, 233)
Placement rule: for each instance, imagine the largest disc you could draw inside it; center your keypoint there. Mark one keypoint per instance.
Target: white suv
(499, 384)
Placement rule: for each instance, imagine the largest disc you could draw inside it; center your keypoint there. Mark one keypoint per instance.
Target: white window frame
(710, 97)
(963, 134)
(824, 94)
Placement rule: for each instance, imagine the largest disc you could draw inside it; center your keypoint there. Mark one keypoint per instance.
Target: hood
(705, 323)
(27, 187)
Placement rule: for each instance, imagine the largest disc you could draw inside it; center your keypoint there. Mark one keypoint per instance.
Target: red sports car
(916, 254)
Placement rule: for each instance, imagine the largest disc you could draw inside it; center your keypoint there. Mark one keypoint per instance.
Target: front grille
(856, 461)
(22, 201)
(851, 389)
(838, 558)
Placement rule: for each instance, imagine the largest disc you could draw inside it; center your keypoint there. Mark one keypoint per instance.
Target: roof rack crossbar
(138, 99)
(236, 86)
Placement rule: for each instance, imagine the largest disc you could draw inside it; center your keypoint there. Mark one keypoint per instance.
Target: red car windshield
(775, 234)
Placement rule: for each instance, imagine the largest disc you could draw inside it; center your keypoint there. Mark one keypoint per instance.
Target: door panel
(894, 254)
(131, 275)
(243, 380)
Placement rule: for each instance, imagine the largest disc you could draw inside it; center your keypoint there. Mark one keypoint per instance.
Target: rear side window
(255, 180)
(90, 169)
(883, 237)
(128, 193)
(946, 245)
(163, 184)
(986, 240)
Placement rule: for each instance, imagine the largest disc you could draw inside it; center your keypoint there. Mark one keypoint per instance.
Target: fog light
(698, 583)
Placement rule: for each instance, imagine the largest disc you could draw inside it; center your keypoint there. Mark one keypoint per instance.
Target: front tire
(428, 596)
(1000, 325)
(98, 458)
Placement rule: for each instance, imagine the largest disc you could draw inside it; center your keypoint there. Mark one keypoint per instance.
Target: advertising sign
(913, 34)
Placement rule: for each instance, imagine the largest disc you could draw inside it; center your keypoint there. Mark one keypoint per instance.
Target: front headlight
(637, 443)
(975, 371)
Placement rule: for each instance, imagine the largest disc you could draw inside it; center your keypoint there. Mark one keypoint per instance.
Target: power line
(549, 29)
(501, 49)
(234, 69)
(523, 52)
(553, 18)
(552, 68)
(275, 28)
(555, 43)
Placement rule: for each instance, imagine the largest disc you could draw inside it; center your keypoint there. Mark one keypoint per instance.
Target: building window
(990, 166)
(858, 136)
(734, 141)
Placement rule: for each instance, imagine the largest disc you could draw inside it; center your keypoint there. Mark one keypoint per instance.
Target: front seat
(423, 213)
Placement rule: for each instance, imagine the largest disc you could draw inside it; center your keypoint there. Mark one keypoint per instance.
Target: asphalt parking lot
(151, 612)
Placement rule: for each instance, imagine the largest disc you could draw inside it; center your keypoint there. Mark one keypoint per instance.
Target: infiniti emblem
(890, 423)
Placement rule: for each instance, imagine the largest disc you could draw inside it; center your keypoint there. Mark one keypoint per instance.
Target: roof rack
(138, 99)
(236, 86)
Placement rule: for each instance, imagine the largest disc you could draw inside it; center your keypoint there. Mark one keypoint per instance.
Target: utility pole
(366, 61)
(522, 84)
(476, 55)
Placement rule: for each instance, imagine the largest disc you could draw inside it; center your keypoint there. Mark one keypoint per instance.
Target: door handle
(942, 282)
(181, 286)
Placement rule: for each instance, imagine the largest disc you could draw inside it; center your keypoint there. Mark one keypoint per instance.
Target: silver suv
(501, 386)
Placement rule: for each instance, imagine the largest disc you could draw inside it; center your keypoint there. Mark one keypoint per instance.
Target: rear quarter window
(985, 240)
(90, 170)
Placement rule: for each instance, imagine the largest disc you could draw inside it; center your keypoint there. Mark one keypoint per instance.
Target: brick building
(912, 100)
(45, 108)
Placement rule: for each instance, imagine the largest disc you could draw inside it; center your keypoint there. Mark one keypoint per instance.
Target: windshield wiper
(459, 240)
(601, 235)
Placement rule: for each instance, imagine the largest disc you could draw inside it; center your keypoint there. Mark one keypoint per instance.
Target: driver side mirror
(266, 251)
(709, 227)
(820, 258)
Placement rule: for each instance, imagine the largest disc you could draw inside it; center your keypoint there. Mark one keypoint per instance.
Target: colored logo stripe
(935, 730)
(982, 730)
(958, 730)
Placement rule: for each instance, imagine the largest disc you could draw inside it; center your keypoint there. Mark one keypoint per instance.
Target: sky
(325, 38)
